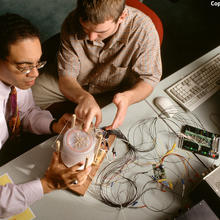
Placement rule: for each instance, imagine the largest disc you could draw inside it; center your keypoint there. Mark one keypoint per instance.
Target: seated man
(105, 46)
(20, 53)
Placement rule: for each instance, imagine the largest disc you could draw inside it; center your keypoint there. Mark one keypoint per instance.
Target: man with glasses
(20, 54)
(26, 70)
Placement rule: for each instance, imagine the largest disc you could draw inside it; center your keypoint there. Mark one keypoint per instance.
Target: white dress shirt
(16, 198)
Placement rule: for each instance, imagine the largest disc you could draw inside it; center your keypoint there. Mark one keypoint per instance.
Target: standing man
(20, 53)
(105, 46)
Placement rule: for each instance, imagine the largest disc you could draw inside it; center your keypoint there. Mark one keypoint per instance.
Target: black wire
(113, 173)
(201, 161)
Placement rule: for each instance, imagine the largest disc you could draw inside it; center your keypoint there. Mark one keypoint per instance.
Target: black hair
(13, 28)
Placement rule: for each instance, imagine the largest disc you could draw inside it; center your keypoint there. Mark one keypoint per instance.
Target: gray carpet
(47, 15)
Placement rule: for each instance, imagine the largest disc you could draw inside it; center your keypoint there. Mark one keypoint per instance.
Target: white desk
(205, 112)
(63, 204)
(211, 106)
(67, 206)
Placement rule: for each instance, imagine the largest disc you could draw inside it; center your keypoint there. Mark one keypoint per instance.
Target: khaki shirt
(132, 53)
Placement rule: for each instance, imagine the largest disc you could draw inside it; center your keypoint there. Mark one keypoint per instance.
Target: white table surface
(211, 106)
(205, 113)
(65, 205)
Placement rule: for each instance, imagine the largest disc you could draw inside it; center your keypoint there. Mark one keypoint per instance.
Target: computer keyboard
(195, 88)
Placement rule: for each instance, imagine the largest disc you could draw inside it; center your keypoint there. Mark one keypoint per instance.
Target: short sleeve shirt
(132, 53)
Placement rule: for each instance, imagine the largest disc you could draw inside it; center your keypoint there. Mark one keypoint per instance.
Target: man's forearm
(138, 92)
(72, 89)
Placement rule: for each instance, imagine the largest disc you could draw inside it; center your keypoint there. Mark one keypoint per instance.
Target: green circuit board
(200, 141)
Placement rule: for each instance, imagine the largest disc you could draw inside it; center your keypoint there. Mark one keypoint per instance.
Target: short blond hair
(99, 11)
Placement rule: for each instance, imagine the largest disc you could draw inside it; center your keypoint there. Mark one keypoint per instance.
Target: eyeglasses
(26, 70)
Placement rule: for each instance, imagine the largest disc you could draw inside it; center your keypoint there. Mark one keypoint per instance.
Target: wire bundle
(121, 184)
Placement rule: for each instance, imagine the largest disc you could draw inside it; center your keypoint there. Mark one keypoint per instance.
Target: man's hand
(87, 109)
(122, 103)
(58, 176)
(139, 92)
(63, 121)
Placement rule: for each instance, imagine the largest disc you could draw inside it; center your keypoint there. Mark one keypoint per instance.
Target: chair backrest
(146, 10)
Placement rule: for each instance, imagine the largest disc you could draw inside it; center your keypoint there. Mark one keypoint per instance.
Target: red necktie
(14, 120)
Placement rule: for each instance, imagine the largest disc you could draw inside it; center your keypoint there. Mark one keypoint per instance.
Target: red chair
(155, 19)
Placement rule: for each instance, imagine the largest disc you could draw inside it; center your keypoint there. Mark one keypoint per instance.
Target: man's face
(25, 53)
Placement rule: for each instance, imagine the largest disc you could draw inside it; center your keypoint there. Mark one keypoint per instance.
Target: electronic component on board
(160, 176)
(200, 141)
(159, 172)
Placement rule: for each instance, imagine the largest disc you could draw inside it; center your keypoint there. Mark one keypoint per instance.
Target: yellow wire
(161, 180)
(174, 145)
(169, 182)
(170, 151)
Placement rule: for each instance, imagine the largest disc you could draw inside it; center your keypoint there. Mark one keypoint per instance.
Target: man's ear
(123, 16)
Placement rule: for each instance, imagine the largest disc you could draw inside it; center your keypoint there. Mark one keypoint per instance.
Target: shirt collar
(4, 90)
(122, 34)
